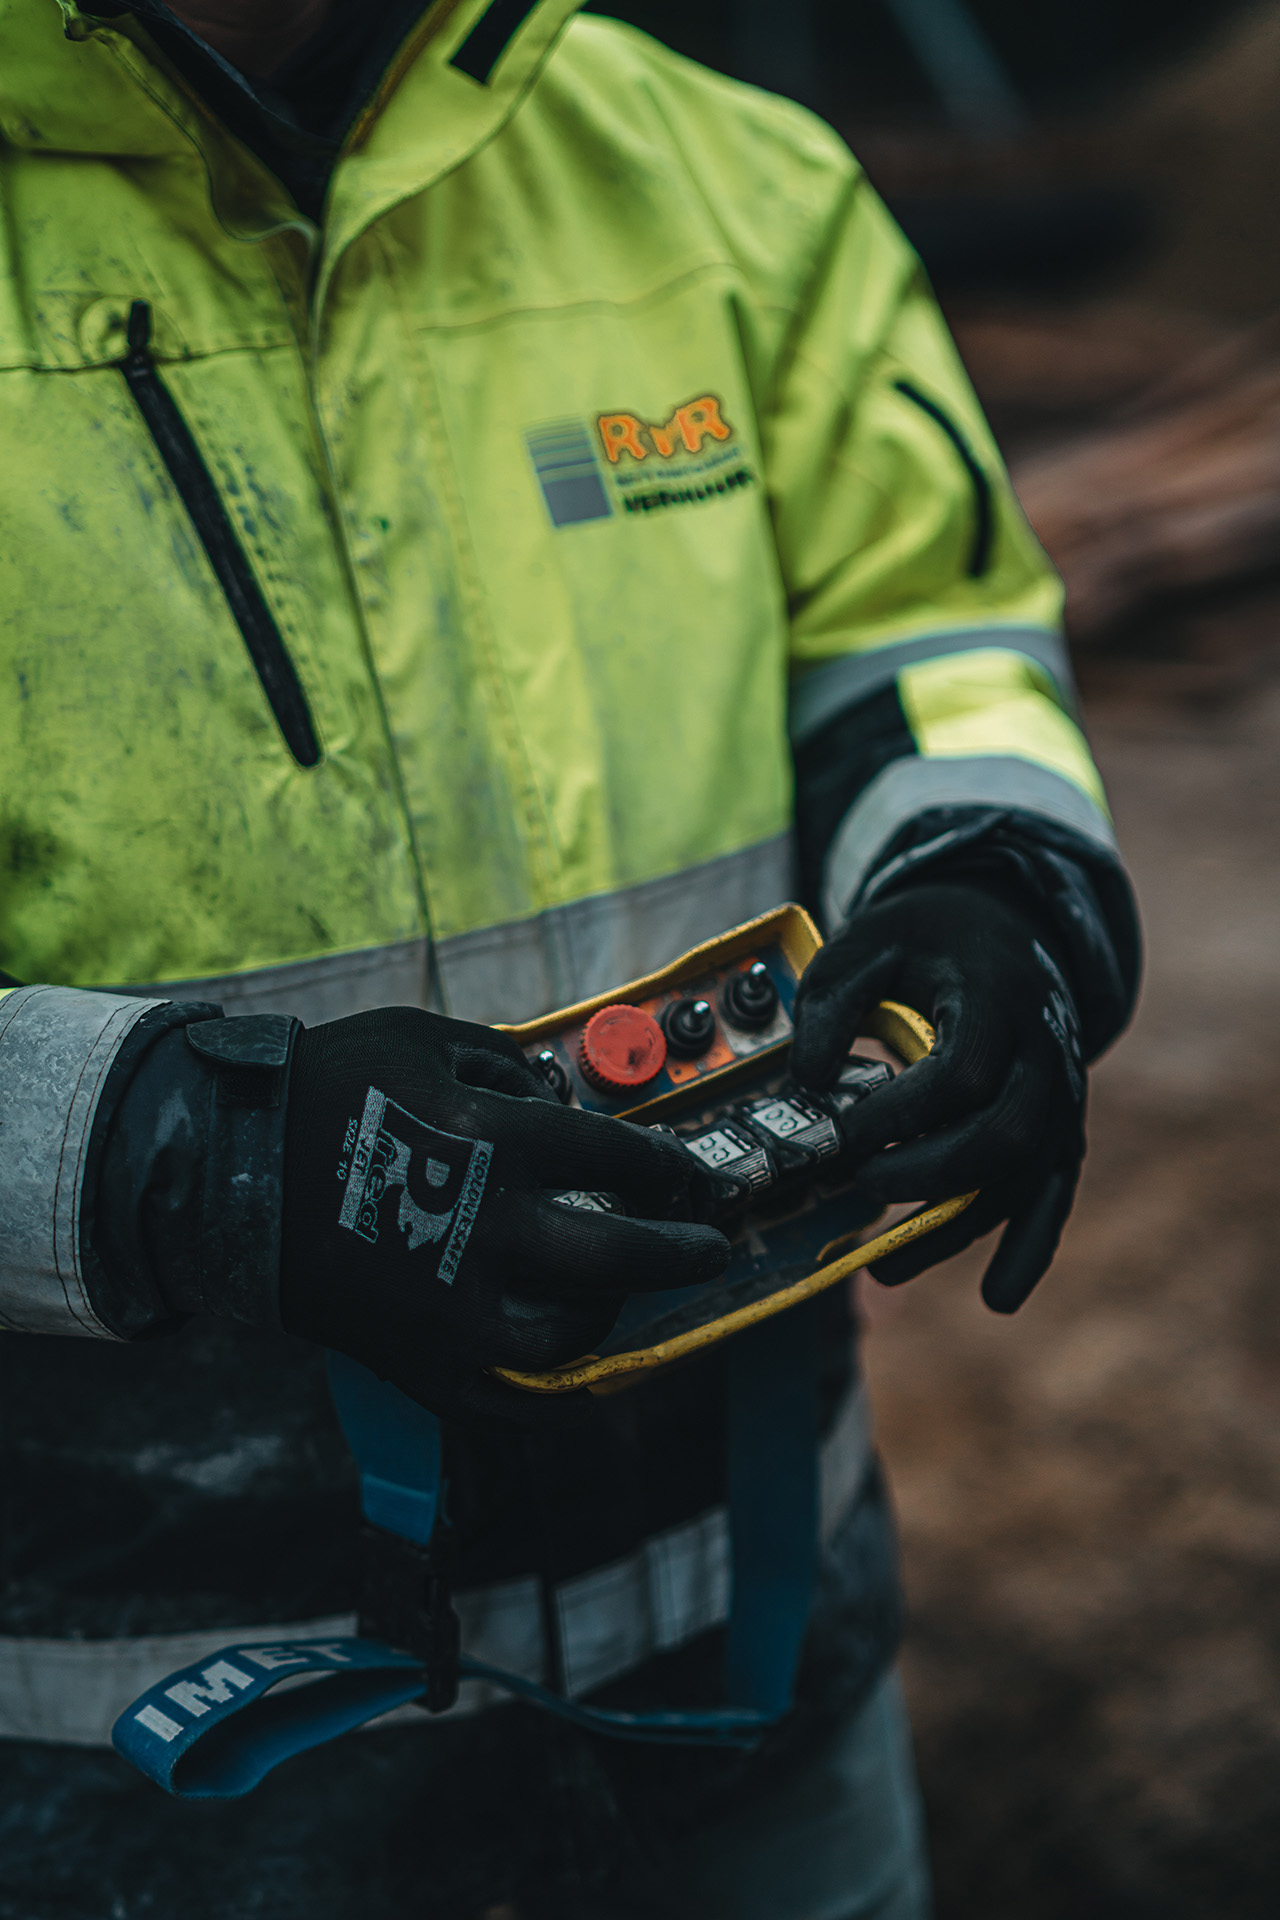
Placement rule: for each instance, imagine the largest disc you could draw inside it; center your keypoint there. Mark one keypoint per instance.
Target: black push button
(750, 999)
(690, 1027)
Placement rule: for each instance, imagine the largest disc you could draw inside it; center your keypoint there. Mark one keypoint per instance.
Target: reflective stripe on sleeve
(56, 1048)
(990, 701)
(827, 690)
(70, 1692)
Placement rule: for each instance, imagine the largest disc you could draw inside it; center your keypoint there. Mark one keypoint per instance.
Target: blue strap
(211, 1731)
(396, 1445)
(717, 1727)
(773, 1506)
(215, 1729)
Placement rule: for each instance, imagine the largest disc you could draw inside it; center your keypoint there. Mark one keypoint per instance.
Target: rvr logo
(687, 428)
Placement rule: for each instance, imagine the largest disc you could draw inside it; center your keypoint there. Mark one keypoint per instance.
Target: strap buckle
(406, 1601)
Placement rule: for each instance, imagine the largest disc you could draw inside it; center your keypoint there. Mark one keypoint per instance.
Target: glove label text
(417, 1178)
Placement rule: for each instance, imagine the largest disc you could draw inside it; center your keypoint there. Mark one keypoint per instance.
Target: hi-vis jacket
(413, 608)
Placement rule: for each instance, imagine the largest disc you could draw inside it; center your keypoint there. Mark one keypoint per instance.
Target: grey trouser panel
(840, 1838)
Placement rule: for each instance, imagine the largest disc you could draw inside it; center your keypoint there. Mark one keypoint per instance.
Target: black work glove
(420, 1236)
(999, 1103)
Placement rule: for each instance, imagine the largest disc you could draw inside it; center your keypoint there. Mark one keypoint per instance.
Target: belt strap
(213, 1730)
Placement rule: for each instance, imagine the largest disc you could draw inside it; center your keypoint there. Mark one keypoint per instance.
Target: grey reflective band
(523, 967)
(56, 1047)
(914, 785)
(827, 690)
(327, 988)
(571, 952)
(675, 1586)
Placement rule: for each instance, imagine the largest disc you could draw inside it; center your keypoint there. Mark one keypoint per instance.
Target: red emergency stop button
(621, 1048)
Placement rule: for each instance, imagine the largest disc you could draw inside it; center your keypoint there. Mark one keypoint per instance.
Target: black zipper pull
(199, 495)
(138, 335)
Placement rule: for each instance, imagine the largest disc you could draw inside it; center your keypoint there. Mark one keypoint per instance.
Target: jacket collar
(75, 82)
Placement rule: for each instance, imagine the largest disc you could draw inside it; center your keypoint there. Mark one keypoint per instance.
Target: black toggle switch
(690, 1027)
(750, 999)
(554, 1074)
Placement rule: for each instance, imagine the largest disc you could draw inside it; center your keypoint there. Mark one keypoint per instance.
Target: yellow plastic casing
(789, 927)
(902, 1030)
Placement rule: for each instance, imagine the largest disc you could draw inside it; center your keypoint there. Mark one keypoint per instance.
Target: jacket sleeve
(58, 1046)
(141, 1162)
(933, 714)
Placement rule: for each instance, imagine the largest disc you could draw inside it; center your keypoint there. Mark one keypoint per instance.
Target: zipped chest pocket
(195, 487)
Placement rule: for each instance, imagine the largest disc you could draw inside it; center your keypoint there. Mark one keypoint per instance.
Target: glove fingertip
(1017, 1267)
(816, 1064)
(1008, 1291)
(820, 1042)
(1028, 1244)
(883, 1279)
(694, 1245)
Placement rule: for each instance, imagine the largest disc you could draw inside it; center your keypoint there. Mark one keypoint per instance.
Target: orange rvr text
(688, 427)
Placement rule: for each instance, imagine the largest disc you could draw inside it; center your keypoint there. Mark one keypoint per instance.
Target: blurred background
(1089, 1495)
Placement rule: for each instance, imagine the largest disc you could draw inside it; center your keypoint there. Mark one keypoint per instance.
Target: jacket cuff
(56, 1049)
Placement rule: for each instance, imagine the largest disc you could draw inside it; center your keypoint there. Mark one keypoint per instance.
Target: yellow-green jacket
(607, 402)
(415, 609)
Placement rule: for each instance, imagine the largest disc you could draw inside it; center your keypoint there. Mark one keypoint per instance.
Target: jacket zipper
(983, 523)
(200, 497)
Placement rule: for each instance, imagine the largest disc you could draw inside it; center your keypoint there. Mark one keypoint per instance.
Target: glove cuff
(1078, 890)
(185, 1182)
(248, 1060)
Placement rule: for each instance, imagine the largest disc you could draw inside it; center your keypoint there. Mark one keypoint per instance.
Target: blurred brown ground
(1089, 1494)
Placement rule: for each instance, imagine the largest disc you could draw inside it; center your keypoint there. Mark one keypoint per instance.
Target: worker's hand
(998, 1104)
(420, 1235)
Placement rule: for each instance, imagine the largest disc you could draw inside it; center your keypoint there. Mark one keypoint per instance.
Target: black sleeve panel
(832, 768)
